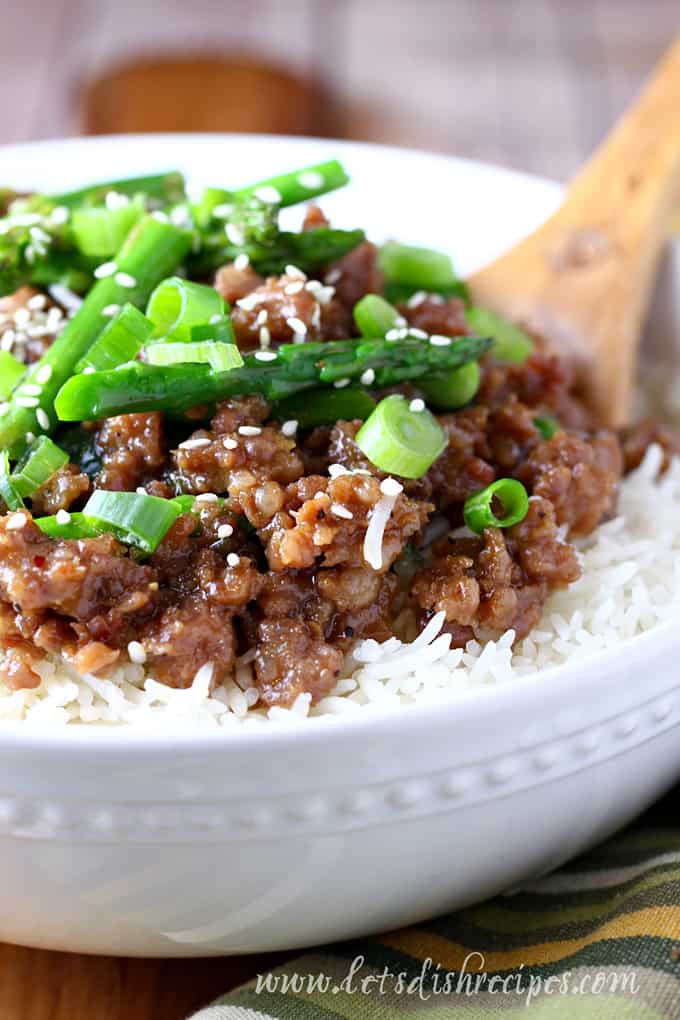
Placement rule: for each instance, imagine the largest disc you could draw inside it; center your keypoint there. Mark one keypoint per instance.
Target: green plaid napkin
(599, 939)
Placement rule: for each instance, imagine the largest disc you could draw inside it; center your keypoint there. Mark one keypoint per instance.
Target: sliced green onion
(152, 250)
(512, 496)
(299, 186)
(417, 268)
(221, 357)
(210, 200)
(374, 316)
(177, 305)
(447, 391)
(42, 459)
(399, 293)
(78, 526)
(510, 343)
(220, 330)
(119, 342)
(399, 440)
(547, 425)
(187, 503)
(9, 494)
(11, 371)
(325, 406)
(134, 518)
(100, 231)
(166, 188)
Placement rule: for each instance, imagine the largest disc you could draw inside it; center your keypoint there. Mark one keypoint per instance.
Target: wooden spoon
(584, 279)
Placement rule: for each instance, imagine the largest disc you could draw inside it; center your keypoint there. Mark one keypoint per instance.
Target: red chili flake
(39, 561)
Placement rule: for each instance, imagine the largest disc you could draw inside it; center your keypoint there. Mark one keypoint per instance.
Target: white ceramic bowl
(116, 842)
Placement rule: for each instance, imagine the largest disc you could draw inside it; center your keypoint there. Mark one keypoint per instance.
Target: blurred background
(532, 84)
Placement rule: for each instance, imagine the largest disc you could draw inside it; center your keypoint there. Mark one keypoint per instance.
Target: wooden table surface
(40, 985)
(532, 84)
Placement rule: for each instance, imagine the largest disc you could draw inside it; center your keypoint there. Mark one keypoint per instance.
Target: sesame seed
(160, 216)
(296, 325)
(194, 444)
(314, 286)
(63, 517)
(249, 430)
(333, 275)
(140, 490)
(265, 337)
(324, 295)
(4, 408)
(338, 510)
(416, 299)
(265, 355)
(59, 215)
(417, 405)
(417, 334)
(295, 272)
(37, 302)
(233, 559)
(136, 652)
(400, 321)
(89, 370)
(225, 531)
(268, 193)
(262, 317)
(341, 383)
(206, 497)
(235, 234)
(25, 220)
(125, 280)
(38, 234)
(221, 212)
(44, 374)
(31, 390)
(106, 269)
(8, 338)
(27, 401)
(293, 288)
(43, 419)
(110, 310)
(179, 216)
(367, 377)
(319, 495)
(440, 341)
(241, 261)
(115, 200)
(391, 487)
(22, 316)
(315, 318)
(289, 428)
(66, 297)
(16, 522)
(249, 302)
(229, 444)
(392, 334)
(312, 180)
(29, 436)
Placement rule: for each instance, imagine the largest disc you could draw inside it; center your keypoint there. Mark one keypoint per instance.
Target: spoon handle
(584, 279)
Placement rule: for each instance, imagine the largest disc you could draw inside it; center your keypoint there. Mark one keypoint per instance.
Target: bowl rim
(569, 678)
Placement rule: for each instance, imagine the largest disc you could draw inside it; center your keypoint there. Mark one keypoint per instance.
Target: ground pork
(132, 450)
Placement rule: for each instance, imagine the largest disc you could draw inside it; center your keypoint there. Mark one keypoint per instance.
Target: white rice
(630, 584)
